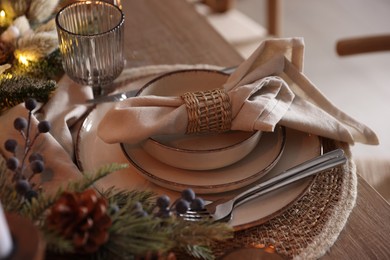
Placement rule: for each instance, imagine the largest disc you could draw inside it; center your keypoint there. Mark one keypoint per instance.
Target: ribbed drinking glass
(91, 38)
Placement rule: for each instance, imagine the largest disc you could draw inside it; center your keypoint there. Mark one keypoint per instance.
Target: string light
(3, 19)
(23, 59)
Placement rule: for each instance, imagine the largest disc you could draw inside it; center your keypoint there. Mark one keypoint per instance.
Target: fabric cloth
(59, 166)
(266, 89)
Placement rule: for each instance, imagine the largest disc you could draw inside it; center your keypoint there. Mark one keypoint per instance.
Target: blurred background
(358, 84)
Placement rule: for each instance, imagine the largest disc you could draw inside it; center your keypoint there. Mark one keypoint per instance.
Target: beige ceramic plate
(246, 171)
(196, 152)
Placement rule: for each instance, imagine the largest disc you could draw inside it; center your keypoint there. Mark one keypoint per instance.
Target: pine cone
(81, 217)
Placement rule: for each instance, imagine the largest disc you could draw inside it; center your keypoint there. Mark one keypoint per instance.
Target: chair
(359, 45)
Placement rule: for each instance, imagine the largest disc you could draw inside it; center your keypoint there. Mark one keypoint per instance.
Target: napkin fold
(267, 89)
(59, 167)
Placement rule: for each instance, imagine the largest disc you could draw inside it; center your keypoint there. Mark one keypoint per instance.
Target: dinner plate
(92, 153)
(246, 171)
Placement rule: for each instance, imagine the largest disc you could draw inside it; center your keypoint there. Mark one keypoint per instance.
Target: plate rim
(213, 187)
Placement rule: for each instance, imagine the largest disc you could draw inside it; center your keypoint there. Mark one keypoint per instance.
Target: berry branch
(20, 178)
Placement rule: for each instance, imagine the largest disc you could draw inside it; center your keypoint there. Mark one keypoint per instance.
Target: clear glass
(91, 39)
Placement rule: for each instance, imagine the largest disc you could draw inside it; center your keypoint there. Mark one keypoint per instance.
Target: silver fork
(221, 210)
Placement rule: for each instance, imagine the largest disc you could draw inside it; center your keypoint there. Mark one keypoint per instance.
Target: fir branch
(125, 199)
(200, 233)
(48, 68)
(194, 238)
(55, 243)
(16, 89)
(135, 235)
(90, 178)
(131, 233)
(10, 199)
(200, 252)
(37, 207)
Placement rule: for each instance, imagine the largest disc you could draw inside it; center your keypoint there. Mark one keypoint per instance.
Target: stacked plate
(207, 163)
(215, 166)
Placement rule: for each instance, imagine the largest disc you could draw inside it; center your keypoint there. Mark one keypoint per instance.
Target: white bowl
(196, 151)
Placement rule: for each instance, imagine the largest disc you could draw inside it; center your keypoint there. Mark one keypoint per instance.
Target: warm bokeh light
(2, 13)
(22, 59)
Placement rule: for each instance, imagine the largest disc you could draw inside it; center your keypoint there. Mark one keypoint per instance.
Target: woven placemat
(310, 226)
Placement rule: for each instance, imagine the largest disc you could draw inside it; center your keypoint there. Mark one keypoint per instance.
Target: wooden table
(171, 32)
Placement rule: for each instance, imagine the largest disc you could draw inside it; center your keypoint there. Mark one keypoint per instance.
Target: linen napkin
(59, 167)
(268, 88)
(67, 107)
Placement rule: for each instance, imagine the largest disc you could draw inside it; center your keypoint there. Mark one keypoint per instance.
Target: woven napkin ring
(208, 111)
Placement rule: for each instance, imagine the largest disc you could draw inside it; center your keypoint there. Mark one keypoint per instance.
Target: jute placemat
(310, 226)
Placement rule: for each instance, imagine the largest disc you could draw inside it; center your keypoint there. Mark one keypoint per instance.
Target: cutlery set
(221, 210)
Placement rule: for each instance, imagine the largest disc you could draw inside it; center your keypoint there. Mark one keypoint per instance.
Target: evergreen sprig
(15, 89)
(35, 80)
(10, 199)
(37, 207)
(48, 68)
(131, 235)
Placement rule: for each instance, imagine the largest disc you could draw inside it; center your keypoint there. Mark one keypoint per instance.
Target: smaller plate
(204, 151)
(246, 171)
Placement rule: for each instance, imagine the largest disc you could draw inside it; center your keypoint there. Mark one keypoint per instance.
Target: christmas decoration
(81, 217)
(81, 221)
(22, 174)
(29, 56)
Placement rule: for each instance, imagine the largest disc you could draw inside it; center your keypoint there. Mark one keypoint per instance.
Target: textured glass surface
(91, 42)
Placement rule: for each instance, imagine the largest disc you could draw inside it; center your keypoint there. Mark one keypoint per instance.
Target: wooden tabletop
(171, 32)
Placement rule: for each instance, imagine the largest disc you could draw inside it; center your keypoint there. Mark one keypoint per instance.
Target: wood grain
(171, 32)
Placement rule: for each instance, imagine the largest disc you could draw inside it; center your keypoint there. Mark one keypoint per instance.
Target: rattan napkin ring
(208, 111)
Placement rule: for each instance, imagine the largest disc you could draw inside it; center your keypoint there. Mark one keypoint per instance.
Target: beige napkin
(59, 167)
(67, 107)
(266, 89)
(64, 110)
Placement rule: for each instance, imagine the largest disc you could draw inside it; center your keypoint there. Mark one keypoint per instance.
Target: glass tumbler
(91, 39)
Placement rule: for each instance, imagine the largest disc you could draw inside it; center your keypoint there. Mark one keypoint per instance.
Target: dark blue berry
(22, 186)
(10, 145)
(37, 166)
(12, 163)
(30, 194)
(188, 195)
(140, 213)
(182, 206)
(163, 213)
(197, 204)
(20, 123)
(30, 104)
(44, 126)
(35, 157)
(163, 202)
